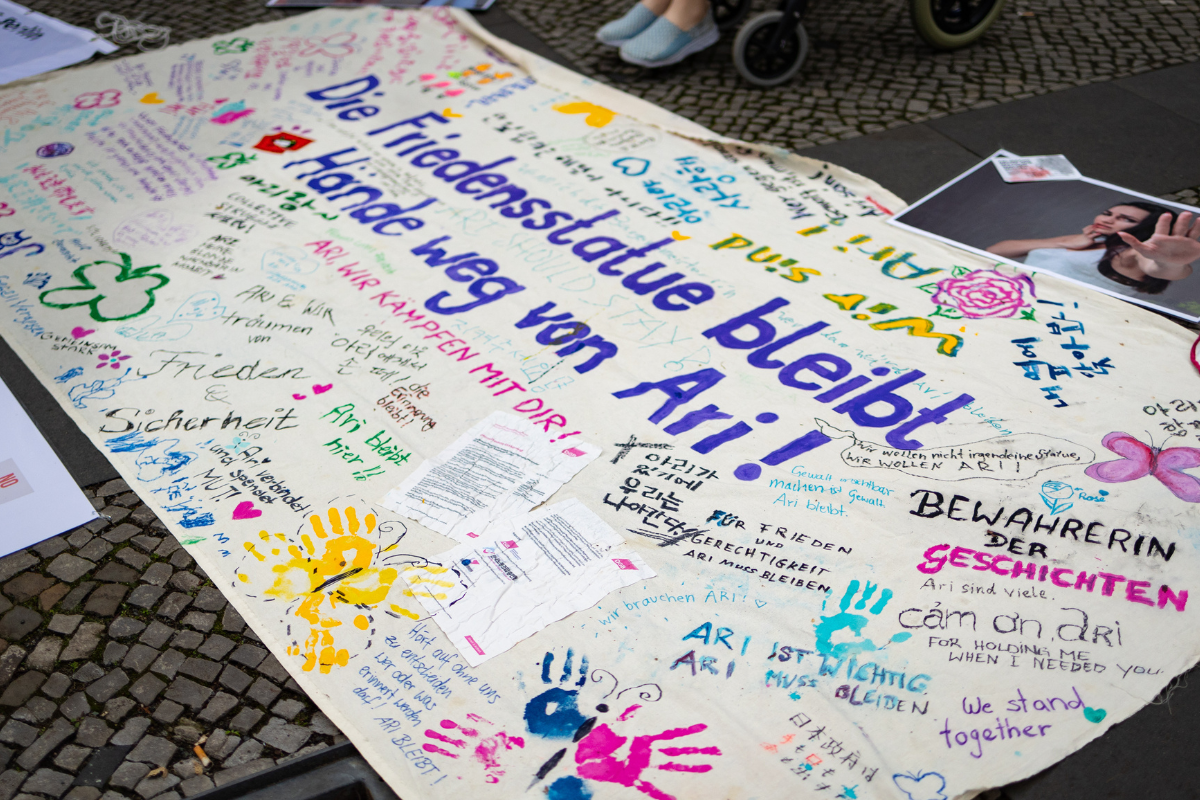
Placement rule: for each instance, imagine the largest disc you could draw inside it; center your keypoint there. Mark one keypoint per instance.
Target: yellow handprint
(342, 560)
(416, 576)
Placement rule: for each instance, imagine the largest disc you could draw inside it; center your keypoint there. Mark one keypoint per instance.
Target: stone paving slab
(106, 688)
(1173, 88)
(1095, 125)
(911, 161)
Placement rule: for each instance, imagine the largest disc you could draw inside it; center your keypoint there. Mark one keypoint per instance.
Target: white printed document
(503, 466)
(528, 572)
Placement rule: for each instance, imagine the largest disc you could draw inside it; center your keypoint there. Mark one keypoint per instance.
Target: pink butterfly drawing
(1139, 460)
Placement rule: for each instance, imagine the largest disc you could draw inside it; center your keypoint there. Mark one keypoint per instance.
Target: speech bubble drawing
(1013, 457)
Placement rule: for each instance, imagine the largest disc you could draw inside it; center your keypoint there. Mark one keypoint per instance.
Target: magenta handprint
(594, 757)
(487, 749)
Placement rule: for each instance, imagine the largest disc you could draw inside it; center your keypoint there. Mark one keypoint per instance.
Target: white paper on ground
(1018, 169)
(528, 572)
(32, 43)
(38, 497)
(503, 466)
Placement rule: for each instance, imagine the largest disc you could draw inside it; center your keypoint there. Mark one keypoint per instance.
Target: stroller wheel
(728, 13)
(768, 51)
(949, 24)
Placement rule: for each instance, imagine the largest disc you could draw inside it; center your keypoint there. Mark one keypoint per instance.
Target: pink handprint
(595, 759)
(487, 749)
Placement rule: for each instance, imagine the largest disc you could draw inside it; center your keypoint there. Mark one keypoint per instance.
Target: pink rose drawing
(985, 293)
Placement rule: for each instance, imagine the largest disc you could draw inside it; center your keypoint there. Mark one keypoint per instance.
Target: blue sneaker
(664, 43)
(620, 31)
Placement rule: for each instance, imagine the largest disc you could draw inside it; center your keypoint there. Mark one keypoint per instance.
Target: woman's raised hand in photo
(1080, 241)
(1172, 246)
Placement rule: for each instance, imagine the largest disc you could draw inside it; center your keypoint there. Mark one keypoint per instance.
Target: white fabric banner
(904, 523)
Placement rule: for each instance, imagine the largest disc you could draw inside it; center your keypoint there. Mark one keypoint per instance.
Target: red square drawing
(281, 142)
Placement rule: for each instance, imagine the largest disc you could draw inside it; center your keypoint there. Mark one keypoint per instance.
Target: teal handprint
(855, 623)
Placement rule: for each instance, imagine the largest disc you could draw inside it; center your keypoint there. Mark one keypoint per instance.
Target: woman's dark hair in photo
(1114, 244)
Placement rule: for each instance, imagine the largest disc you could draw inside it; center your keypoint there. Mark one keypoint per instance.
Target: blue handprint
(554, 714)
(828, 626)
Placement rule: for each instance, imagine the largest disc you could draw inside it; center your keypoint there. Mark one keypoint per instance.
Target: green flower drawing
(112, 291)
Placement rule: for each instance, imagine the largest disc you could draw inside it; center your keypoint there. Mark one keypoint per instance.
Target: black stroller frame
(771, 48)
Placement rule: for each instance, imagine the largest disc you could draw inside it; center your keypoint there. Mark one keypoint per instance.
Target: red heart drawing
(79, 332)
(246, 510)
(319, 389)
(299, 396)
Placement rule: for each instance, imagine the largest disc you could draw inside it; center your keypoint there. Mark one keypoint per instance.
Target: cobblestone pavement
(868, 71)
(118, 657)
(1190, 197)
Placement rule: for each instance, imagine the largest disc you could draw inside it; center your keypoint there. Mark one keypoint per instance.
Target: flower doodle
(855, 623)
(1056, 495)
(985, 293)
(111, 291)
(112, 359)
(333, 571)
(486, 749)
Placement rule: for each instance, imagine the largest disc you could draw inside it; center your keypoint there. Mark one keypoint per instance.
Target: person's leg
(685, 14)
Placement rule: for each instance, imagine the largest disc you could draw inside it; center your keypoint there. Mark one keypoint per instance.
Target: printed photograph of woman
(1123, 243)
(1138, 245)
